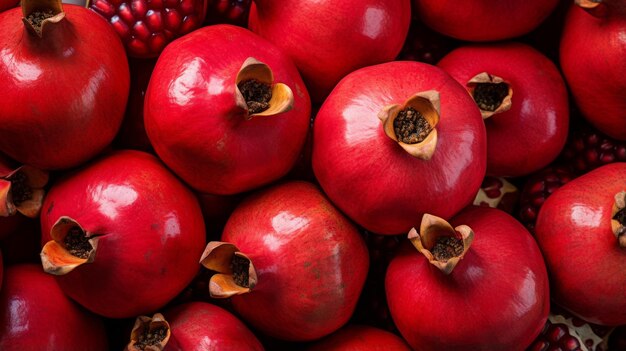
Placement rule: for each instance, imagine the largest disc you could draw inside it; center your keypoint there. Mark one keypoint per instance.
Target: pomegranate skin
(483, 20)
(369, 176)
(67, 90)
(533, 131)
(311, 262)
(496, 298)
(197, 129)
(151, 227)
(36, 315)
(583, 256)
(597, 77)
(360, 338)
(328, 39)
(7, 4)
(202, 326)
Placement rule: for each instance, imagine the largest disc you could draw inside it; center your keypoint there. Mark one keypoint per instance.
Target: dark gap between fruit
(37, 17)
(77, 243)
(256, 94)
(489, 96)
(620, 216)
(240, 267)
(447, 247)
(150, 337)
(20, 191)
(410, 126)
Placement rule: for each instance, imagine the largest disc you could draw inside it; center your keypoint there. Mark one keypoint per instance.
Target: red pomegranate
(597, 78)
(65, 74)
(581, 230)
(327, 39)
(396, 140)
(523, 100)
(36, 315)
(123, 235)
(226, 110)
(481, 285)
(21, 189)
(293, 264)
(483, 20)
(360, 338)
(192, 326)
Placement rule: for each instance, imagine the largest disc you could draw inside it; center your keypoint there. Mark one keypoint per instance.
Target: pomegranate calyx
(22, 191)
(235, 275)
(618, 218)
(70, 247)
(257, 94)
(38, 14)
(588, 4)
(491, 93)
(149, 334)
(413, 124)
(442, 245)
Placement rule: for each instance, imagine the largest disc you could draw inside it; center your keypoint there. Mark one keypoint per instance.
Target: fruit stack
(313, 175)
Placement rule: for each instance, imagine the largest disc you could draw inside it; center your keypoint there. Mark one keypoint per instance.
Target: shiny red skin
(202, 326)
(67, 91)
(328, 39)
(36, 315)
(195, 125)
(533, 131)
(496, 298)
(152, 233)
(369, 176)
(597, 77)
(310, 260)
(583, 256)
(483, 20)
(360, 338)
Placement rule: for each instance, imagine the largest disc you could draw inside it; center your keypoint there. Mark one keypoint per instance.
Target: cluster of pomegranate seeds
(556, 337)
(588, 149)
(147, 26)
(228, 11)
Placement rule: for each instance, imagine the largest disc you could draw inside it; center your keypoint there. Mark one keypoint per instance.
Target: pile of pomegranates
(351, 175)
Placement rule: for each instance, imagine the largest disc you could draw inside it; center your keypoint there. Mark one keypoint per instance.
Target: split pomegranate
(360, 338)
(293, 264)
(597, 77)
(226, 110)
(497, 192)
(581, 230)
(523, 100)
(327, 39)
(65, 77)
(36, 315)
(396, 140)
(481, 285)
(123, 235)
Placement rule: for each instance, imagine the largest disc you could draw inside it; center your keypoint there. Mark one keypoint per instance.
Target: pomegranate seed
(158, 42)
(153, 20)
(189, 23)
(138, 46)
(141, 31)
(171, 3)
(120, 27)
(186, 7)
(104, 8)
(556, 332)
(138, 8)
(570, 343)
(172, 20)
(155, 4)
(126, 14)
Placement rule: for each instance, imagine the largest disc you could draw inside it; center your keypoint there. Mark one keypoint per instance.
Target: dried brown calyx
(22, 191)
(39, 14)
(235, 273)
(258, 94)
(413, 124)
(618, 218)
(491, 93)
(70, 247)
(149, 334)
(441, 244)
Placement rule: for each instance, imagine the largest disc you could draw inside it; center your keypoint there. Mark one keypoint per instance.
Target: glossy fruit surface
(374, 180)
(67, 89)
(197, 124)
(123, 234)
(360, 338)
(36, 315)
(582, 251)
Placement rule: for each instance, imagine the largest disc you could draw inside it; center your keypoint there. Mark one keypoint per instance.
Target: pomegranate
(228, 122)
(36, 315)
(192, 326)
(21, 189)
(327, 39)
(65, 74)
(122, 234)
(360, 338)
(497, 192)
(483, 20)
(292, 263)
(597, 78)
(581, 230)
(523, 100)
(394, 141)
(481, 285)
